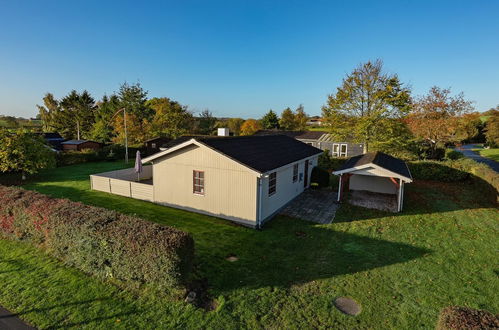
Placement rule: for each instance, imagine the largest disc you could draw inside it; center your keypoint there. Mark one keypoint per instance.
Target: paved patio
(313, 205)
(372, 200)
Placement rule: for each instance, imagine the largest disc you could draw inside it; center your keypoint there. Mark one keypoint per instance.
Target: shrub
(457, 318)
(76, 157)
(437, 171)
(453, 154)
(98, 241)
(320, 176)
(329, 163)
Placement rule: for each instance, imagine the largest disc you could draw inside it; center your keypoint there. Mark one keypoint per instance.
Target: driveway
(317, 206)
(466, 151)
(9, 321)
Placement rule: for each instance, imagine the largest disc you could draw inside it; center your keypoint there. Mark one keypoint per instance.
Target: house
(314, 121)
(244, 179)
(322, 140)
(52, 139)
(79, 145)
(154, 145)
(375, 180)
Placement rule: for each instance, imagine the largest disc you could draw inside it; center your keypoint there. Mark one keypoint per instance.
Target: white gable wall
(372, 183)
(230, 188)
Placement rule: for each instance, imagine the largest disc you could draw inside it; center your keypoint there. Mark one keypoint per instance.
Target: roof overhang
(365, 170)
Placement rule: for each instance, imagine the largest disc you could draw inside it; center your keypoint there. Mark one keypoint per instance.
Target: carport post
(399, 199)
(339, 187)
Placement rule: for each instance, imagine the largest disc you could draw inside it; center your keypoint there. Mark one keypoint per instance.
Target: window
(198, 182)
(272, 183)
(343, 150)
(153, 145)
(295, 172)
(336, 150)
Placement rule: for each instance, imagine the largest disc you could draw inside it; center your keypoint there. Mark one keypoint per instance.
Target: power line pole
(126, 136)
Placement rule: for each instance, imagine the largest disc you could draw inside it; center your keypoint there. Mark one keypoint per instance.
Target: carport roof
(380, 159)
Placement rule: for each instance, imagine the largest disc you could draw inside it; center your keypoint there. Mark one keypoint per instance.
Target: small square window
(295, 172)
(272, 183)
(198, 182)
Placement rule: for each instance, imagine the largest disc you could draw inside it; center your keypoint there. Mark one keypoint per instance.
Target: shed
(53, 139)
(79, 145)
(376, 173)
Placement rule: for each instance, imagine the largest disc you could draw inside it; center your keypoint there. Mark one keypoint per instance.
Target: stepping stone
(232, 258)
(347, 306)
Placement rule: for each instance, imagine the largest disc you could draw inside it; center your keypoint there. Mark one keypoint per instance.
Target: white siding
(372, 183)
(230, 188)
(286, 190)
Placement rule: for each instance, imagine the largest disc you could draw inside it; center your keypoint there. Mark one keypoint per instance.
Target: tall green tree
(25, 152)
(492, 130)
(77, 117)
(102, 129)
(171, 119)
(206, 123)
(270, 120)
(366, 97)
(288, 120)
(234, 125)
(300, 118)
(48, 111)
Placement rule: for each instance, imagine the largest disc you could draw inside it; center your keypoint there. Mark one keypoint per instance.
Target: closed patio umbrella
(138, 165)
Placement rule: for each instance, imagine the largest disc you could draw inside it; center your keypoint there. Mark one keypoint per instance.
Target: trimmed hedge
(98, 241)
(320, 177)
(464, 318)
(111, 152)
(453, 154)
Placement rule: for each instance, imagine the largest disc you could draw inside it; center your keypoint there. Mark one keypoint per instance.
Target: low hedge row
(98, 241)
(111, 152)
(464, 318)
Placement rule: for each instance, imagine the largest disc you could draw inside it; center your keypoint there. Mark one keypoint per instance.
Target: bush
(453, 154)
(98, 241)
(457, 318)
(436, 171)
(320, 177)
(111, 152)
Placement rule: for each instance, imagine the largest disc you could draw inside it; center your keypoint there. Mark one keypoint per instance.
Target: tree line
(377, 109)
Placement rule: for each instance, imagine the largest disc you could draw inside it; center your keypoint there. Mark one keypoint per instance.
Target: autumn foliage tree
(250, 127)
(435, 117)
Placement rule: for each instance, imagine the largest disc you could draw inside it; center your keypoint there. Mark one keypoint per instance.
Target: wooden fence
(124, 183)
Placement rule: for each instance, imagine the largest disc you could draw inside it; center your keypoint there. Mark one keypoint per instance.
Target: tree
(234, 125)
(469, 127)
(492, 130)
(366, 97)
(102, 129)
(270, 120)
(250, 127)
(288, 120)
(300, 118)
(171, 119)
(48, 111)
(24, 152)
(206, 123)
(435, 117)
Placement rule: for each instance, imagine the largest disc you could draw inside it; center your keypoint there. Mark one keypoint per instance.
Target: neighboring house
(314, 121)
(244, 179)
(53, 139)
(322, 140)
(378, 173)
(154, 145)
(79, 145)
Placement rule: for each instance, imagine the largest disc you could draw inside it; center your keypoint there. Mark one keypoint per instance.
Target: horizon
(240, 59)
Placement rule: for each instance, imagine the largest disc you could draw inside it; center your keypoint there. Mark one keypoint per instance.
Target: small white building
(243, 179)
(377, 173)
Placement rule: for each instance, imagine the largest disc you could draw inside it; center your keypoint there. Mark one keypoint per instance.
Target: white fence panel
(142, 191)
(120, 187)
(100, 183)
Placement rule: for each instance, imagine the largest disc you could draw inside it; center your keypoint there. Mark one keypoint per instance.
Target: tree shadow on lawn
(428, 197)
(289, 251)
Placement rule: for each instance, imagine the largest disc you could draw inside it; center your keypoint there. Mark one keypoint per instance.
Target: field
(403, 269)
(492, 153)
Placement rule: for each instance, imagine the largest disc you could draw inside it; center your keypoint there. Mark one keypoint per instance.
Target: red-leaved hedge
(98, 241)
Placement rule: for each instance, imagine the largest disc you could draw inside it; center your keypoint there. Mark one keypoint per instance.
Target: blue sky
(241, 58)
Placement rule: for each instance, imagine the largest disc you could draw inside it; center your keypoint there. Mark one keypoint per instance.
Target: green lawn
(492, 153)
(442, 250)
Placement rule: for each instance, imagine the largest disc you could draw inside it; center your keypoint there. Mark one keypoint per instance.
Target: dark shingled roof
(76, 141)
(305, 135)
(261, 153)
(381, 159)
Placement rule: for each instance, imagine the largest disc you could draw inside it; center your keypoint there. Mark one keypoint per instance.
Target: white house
(243, 179)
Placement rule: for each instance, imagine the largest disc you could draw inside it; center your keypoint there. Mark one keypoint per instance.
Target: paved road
(9, 321)
(466, 150)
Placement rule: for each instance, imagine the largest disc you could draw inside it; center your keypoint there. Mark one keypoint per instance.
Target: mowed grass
(492, 153)
(403, 269)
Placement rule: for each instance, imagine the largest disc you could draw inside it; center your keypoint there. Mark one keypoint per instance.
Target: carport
(373, 178)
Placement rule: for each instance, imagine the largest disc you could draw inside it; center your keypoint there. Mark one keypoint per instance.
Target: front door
(305, 181)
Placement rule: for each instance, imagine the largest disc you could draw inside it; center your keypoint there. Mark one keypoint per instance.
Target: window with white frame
(272, 183)
(336, 150)
(295, 172)
(343, 150)
(198, 182)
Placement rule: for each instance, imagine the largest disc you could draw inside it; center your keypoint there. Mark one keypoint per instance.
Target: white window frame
(337, 152)
(343, 153)
(272, 183)
(198, 188)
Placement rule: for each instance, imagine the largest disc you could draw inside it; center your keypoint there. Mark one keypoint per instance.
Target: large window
(295, 172)
(198, 182)
(343, 150)
(272, 183)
